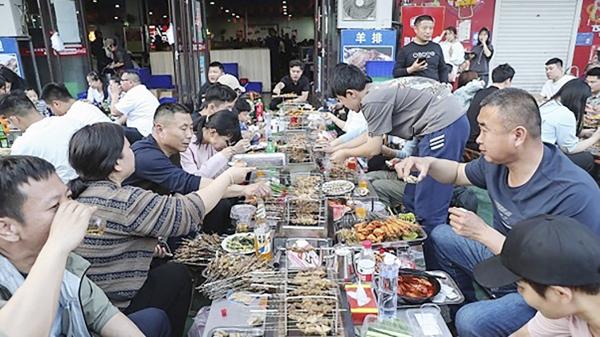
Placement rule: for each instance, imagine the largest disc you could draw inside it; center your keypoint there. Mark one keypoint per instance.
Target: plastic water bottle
(387, 297)
(365, 265)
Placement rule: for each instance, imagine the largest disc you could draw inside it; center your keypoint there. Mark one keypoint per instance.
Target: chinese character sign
(362, 45)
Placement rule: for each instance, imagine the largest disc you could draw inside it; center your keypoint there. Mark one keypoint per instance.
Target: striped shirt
(120, 258)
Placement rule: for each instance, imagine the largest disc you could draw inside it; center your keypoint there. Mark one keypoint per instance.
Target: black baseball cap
(547, 249)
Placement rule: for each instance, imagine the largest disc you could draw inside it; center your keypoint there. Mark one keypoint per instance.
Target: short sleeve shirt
(571, 326)
(49, 139)
(558, 187)
(139, 106)
(86, 113)
(296, 88)
(407, 112)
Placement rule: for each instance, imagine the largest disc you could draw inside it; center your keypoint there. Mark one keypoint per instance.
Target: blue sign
(584, 39)
(9, 55)
(362, 45)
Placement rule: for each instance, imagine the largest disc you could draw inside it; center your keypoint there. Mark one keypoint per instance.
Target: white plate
(346, 187)
(234, 236)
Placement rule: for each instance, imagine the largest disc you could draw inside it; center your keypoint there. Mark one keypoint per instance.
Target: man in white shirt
(61, 103)
(135, 109)
(556, 78)
(454, 51)
(46, 138)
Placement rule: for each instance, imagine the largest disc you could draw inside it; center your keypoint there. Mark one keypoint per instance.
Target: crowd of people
(152, 174)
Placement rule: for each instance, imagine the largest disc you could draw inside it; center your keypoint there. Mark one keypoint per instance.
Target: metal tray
(385, 244)
(262, 160)
(319, 230)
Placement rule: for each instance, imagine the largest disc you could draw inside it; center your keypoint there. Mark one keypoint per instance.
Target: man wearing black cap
(555, 262)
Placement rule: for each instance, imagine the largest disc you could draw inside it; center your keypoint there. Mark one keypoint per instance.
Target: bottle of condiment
(262, 233)
(365, 265)
(259, 109)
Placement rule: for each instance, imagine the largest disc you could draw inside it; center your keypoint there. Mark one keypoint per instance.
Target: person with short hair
(215, 70)
(136, 108)
(44, 287)
(46, 138)
(556, 78)
(555, 262)
(61, 103)
(502, 77)
(422, 57)
(592, 78)
(437, 121)
(158, 164)
(481, 54)
(121, 59)
(218, 97)
(524, 177)
(454, 52)
(293, 83)
(135, 218)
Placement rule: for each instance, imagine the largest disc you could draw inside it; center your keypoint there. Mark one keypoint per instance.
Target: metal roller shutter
(529, 32)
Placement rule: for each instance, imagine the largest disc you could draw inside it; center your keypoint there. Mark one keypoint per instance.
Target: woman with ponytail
(134, 218)
(210, 149)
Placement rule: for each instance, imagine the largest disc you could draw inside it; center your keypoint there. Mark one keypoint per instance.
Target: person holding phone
(422, 57)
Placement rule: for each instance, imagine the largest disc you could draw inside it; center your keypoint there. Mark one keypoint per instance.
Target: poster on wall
(362, 45)
(410, 13)
(9, 55)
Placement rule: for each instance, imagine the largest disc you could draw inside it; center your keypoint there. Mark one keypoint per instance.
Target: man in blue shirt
(524, 178)
(157, 165)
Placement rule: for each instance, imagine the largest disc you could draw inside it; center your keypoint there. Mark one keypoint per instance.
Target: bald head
(516, 107)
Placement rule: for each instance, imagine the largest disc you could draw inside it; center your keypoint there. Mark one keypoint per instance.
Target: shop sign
(362, 45)
(9, 55)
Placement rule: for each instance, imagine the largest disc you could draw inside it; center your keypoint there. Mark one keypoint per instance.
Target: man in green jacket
(43, 287)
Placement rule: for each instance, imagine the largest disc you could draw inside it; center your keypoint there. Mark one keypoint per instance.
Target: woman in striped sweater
(120, 257)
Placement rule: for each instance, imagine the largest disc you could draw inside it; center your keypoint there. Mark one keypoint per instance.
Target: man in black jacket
(422, 57)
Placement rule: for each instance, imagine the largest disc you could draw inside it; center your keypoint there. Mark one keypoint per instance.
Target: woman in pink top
(210, 150)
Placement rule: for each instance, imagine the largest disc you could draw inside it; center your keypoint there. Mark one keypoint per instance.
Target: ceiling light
(164, 16)
(284, 6)
(227, 11)
(116, 18)
(290, 15)
(95, 1)
(237, 16)
(150, 13)
(212, 2)
(117, 6)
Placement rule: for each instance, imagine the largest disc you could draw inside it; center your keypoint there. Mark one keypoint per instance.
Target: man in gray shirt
(435, 119)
